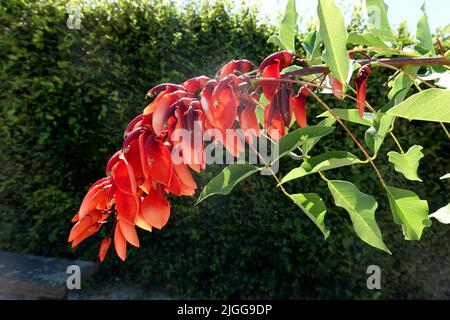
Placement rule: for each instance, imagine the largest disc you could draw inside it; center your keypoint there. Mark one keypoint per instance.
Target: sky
(438, 11)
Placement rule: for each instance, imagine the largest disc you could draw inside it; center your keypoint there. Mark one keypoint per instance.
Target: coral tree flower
(163, 144)
(360, 85)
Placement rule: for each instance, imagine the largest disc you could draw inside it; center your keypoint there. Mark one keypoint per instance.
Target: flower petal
(120, 244)
(156, 209)
(127, 206)
(104, 247)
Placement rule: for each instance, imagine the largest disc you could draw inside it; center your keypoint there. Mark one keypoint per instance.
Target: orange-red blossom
(142, 173)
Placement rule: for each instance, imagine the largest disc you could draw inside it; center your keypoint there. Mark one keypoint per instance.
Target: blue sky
(438, 11)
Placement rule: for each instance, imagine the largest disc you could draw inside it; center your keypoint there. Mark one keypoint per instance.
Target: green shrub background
(65, 98)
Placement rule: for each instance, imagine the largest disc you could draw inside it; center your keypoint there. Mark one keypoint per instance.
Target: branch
(395, 62)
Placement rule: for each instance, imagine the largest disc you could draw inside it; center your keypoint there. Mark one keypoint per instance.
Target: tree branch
(395, 62)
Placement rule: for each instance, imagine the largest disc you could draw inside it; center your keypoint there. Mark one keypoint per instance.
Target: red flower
(360, 85)
(299, 102)
(165, 142)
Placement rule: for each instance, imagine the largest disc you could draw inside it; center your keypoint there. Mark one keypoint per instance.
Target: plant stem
(445, 130)
(396, 142)
(393, 62)
(351, 136)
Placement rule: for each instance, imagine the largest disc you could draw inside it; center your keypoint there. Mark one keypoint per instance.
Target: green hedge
(65, 98)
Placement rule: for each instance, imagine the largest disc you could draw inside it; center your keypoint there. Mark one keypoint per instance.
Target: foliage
(61, 88)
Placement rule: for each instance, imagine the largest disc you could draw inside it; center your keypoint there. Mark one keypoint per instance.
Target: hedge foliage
(65, 97)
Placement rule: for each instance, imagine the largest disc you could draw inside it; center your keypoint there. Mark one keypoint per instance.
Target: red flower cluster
(144, 170)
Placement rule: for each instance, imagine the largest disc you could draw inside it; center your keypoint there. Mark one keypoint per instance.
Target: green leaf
(375, 135)
(313, 206)
(311, 44)
(276, 41)
(322, 162)
(361, 208)
(428, 105)
(263, 102)
(370, 40)
(310, 143)
(295, 138)
(400, 85)
(287, 26)
(378, 21)
(445, 176)
(409, 211)
(225, 181)
(442, 215)
(423, 33)
(407, 163)
(334, 36)
(351, 115)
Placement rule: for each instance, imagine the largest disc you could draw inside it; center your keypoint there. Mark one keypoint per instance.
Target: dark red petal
(299, 102)
(284, 57)
(270, 86)
(249, 122)
(336, 87)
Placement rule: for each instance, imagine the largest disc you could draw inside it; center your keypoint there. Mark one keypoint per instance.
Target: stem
(267, 165)
(393, 62)
(351, 136)
(445, 129)
(396, 141)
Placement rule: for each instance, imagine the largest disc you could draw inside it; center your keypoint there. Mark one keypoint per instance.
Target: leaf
(442, 215)
(287, 26)
(445, 176)
(263, 102)
(370, 40)
(313, 206)
(276, 41)
(311, 44)
(409, 211)
(351, 115)
(428, 105)
(378, 21)
(361, 208)
(310, 143)
(323, 162)
(295, 138)
(423, 33)
(401, 84)
(375, 135)
(225, 181)
(407, 163)
(334, 36)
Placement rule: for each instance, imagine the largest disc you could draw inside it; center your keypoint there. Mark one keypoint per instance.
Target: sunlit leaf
(225, 181)
(326, 161)
(361, 208)
(428, 105)
(351, 115)
(313, 206)
(442, 215)
(378, 21)
(409, 211)
(407, 163)
(333, 33)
